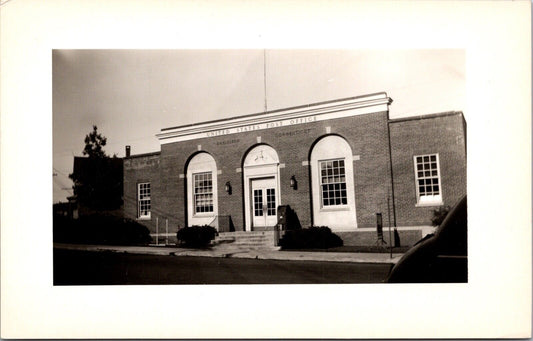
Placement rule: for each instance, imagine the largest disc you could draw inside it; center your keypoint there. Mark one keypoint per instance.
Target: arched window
(332, 184)
(202, 203)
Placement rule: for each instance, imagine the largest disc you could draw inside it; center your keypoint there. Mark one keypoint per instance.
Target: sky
(130, 95)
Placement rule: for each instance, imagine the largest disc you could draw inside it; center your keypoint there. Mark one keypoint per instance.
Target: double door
(264, 202)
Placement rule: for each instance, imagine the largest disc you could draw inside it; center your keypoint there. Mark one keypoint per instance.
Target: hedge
(310, 238)
(100, 229)
(439, 214)
(196, 236)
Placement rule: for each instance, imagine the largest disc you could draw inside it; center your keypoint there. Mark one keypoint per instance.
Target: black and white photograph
(270, 161)
(260, 170)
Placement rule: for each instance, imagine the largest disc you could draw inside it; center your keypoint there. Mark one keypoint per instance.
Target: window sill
(429, 204)
(334, 209)
(144, 218)
(203, 215)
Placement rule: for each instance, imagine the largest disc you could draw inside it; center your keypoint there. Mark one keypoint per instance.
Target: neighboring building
(336, 164)
(66, 209)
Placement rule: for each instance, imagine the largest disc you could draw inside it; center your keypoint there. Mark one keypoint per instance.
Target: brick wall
(137, 169)
(366, 238)
(367, 136)
(440, 133)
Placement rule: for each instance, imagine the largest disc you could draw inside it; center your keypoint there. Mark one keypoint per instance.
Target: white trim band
(311, 113)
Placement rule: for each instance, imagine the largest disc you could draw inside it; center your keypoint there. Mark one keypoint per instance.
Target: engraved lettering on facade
(222, 143)
(253, 127)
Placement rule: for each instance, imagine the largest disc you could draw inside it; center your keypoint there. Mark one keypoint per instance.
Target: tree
(98, 178)
(94, 143)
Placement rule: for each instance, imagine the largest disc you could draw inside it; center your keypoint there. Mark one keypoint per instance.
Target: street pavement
(227, 250)
(72, 267)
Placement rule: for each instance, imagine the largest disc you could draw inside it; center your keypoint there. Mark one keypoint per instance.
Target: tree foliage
(98, 178)
(94, 143)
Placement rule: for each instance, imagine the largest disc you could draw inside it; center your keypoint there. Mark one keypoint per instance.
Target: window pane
(203, 192)
(427, 174)
(333, 182)
(143, 201)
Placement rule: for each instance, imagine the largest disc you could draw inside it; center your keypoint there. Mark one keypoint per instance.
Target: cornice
(284, 117)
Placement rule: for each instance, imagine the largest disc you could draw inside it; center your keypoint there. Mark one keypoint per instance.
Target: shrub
(439, 214)
(310, 238)
(101, 229)
(196, 236)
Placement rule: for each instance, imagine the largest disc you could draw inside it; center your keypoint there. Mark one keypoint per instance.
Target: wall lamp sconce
(294, 183)
(227, 188)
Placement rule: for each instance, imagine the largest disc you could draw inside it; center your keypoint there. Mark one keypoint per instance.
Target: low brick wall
(369, 237)
(172, 238)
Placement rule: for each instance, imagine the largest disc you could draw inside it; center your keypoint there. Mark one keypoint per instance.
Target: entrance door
(264, 202)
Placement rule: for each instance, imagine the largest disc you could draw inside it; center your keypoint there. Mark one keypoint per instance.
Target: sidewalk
(232, 251)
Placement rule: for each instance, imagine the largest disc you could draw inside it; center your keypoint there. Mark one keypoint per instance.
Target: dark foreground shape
(438, 258)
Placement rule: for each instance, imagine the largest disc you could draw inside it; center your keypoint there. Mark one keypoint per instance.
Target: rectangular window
(271, 201)
(428, 188)
(258, 202)
(144, 203)
(203, 192)
(333, 183)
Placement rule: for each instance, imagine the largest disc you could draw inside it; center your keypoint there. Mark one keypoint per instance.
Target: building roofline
(274, 111)
(427, 116)
(142, 155)
(314, 112)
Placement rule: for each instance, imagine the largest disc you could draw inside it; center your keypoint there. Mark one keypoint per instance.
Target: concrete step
(253, 237)
(248, 239)
(224, 238)
(246, 233)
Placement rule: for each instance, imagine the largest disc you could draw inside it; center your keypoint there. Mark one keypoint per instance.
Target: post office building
(339, 164)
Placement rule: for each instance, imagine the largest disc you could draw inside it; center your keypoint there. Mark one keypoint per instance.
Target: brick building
(335, 163)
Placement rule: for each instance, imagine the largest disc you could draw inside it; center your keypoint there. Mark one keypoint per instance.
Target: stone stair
(248, 239)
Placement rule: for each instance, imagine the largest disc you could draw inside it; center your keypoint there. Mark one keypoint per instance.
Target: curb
(240, 253)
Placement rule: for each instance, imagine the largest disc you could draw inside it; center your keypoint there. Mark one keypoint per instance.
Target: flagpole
(264, 77)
